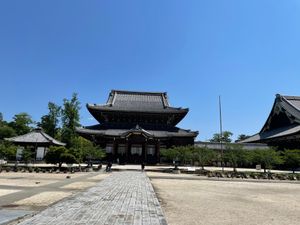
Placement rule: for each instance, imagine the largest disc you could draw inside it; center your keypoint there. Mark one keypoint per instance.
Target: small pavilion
(37, 140)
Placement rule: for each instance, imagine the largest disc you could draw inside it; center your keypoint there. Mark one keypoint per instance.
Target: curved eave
(109, 108)
(124, 133)
(280, 133)
(97, 112)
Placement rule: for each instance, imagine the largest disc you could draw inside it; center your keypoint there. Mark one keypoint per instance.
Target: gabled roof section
(37, 136)
(285, 112)
(137, 102)
(137, 130)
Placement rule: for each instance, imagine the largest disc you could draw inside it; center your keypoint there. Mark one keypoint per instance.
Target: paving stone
(122, 198)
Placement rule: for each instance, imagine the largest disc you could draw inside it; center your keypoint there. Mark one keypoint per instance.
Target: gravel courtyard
(189, 201)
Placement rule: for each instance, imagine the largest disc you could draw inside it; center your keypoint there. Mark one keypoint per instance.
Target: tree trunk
(59, 165)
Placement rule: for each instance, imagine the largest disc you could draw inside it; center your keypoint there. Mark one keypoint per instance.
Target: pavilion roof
(37, 136)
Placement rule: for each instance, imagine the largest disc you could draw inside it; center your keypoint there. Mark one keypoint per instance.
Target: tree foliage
(267, 158)
(226, 137)
(292, 159)
(49, 123)
(6, 132)
(21, 123)
(28, 155)
(7, 150)
(85, 151)
(242, 137)
(59, 155)
(236, 156)
(203, 156)
(70, 119)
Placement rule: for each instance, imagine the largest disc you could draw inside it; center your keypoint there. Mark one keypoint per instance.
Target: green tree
(242, 137)
(185, 153)
(7, 151)
(226, 137)
(170, 154)
(203, 155)
(236, 156)
(292, 159)
(21, 123)
(28, 155)
(267, 158)
(49, 123)
(6, 132)
(85, 151)
(58, 155)
(180, 153)
(70, 119)
(68, 158)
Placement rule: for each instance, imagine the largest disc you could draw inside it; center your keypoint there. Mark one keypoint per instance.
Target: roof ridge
(287, 100)
(290, 97)
(138, 92)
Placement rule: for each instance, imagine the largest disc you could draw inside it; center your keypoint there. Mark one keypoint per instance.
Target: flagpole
(221, 134)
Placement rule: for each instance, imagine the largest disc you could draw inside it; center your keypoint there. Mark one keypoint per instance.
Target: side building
(134, 126)
(282, 128)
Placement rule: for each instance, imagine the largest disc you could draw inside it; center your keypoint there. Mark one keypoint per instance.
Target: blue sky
(245, 51)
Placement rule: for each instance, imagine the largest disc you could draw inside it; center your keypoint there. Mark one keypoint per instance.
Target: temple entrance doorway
(135, 154)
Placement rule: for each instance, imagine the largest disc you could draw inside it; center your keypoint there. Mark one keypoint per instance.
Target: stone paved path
(122, 198)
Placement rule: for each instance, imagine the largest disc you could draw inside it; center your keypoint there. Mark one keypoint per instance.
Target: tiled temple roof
(156, 102)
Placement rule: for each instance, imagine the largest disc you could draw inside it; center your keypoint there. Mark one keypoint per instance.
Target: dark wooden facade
(134, 126)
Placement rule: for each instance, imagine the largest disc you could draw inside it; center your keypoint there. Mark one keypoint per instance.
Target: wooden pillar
(127, 151)
(144, 153)
(158, 152)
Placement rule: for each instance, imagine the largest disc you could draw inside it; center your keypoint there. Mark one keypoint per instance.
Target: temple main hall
(134, 126)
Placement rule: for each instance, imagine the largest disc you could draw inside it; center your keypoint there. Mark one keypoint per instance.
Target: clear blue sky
(246, 51)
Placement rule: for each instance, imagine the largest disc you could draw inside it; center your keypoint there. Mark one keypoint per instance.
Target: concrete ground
(123, 198)
(190, 200)
(26, 193)
(186, 198)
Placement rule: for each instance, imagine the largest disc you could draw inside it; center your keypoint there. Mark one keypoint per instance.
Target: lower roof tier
(137, 130)
(167, 117)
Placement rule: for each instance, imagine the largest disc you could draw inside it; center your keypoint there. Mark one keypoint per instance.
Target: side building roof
(217, 146)
(283, 120)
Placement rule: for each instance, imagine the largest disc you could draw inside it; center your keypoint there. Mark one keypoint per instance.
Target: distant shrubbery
(234, 156)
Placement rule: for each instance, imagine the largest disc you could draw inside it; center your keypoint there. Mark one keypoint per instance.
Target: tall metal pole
(221, 134)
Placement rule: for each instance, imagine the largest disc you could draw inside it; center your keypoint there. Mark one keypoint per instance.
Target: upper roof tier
(133, 102)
